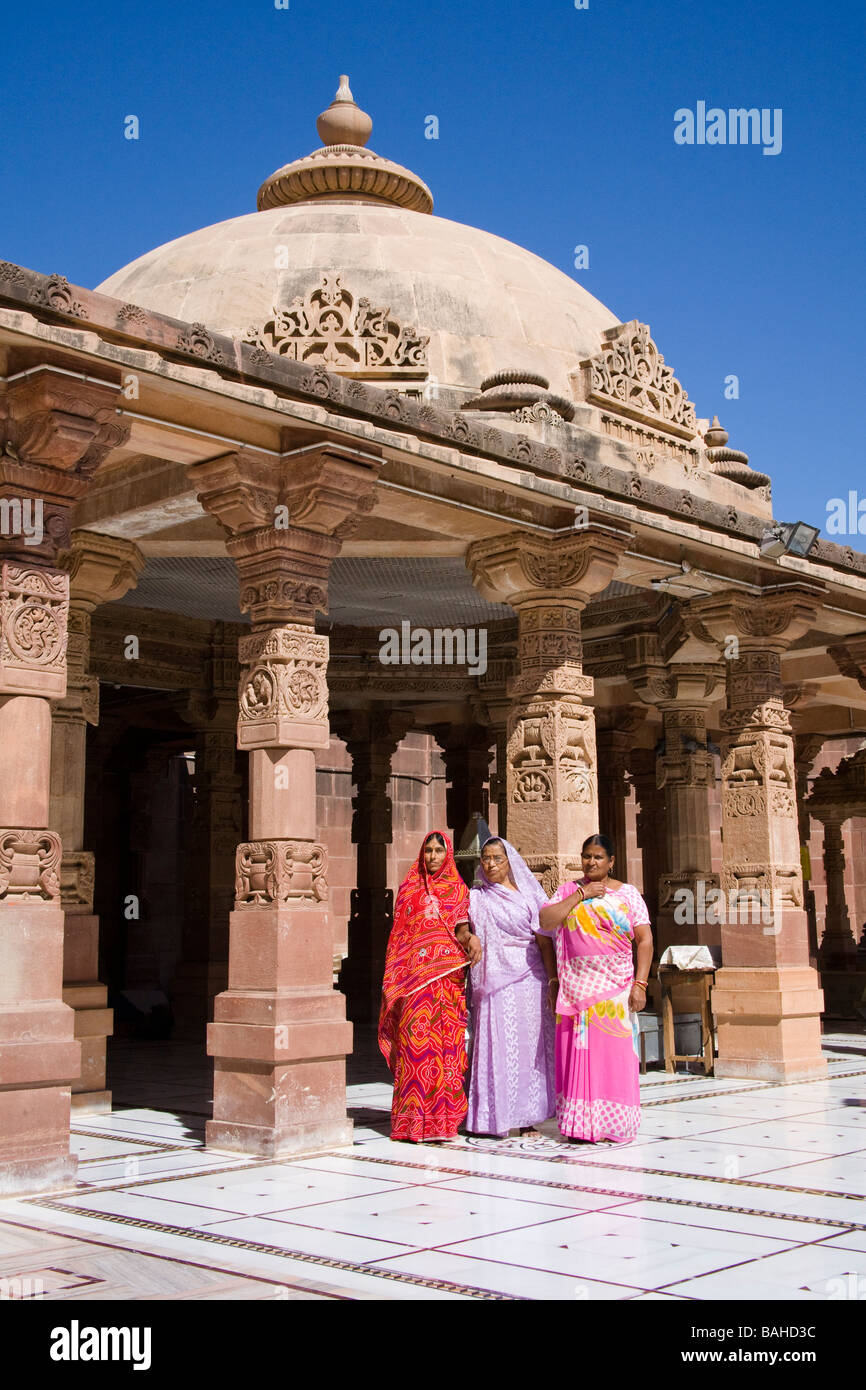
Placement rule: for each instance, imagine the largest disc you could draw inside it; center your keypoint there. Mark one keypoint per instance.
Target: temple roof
(456, 303)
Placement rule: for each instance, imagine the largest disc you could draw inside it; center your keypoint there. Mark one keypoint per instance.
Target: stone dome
(479, 304)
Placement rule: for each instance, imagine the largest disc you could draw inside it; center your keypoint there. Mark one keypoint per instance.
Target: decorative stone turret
(731, 463)
(343, 169)
(523, 394)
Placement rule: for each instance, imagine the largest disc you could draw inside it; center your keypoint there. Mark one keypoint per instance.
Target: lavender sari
(512, 1071)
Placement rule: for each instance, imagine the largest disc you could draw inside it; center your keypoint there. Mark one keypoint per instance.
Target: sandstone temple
(225, 472)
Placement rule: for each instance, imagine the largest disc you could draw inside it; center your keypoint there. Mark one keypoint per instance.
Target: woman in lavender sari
(512, 1072)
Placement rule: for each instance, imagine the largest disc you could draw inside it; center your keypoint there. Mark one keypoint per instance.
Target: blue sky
(556, 128)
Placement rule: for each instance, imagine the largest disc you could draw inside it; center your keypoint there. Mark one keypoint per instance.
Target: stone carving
(330, 328)
(12, 274)
(56, 293)
(280, 872)
(77, 872)
(29, 865)
(198, 340)
(132, 313)
(33, 613)
(630, 375)
(532, 786)
(283, 692)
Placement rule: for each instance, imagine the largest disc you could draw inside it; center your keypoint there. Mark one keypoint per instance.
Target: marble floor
(733, 1190)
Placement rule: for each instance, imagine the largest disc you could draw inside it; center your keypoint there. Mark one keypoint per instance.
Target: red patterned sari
(422, 1024)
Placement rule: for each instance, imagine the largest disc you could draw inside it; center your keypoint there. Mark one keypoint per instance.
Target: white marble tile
(619, 1250)
(826, 1139)
(818, 1271)
(515, 1192)
(254, 1193)
(505, 1278)
(842, 1173)
(86, 1148)
(430, 1217)
(850, 1240)
(144, 1204)
(716, 1157)
(751, 1223)
(312, 1240)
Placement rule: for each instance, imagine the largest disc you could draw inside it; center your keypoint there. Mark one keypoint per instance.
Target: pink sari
(597, 1050)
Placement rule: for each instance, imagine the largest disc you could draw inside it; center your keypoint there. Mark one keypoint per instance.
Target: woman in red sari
(422, 1024)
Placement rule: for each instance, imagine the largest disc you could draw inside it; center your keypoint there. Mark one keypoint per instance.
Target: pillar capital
(769, 621)
(101, 568)
(850, 657)
(55, 431)
(286, 520)
(522, 567)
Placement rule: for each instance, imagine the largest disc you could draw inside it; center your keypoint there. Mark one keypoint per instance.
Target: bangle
(553, 980)
(643, 983)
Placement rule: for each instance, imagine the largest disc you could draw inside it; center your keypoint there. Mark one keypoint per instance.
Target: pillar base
(34, 1141)
(264, 1142)
(91, 1102)
(769, 1023)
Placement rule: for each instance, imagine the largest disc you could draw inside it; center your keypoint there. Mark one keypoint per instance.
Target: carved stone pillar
(684, 692)
(491, 710)
(54, 431)
(838, 948)
(216, 830)
(552, 784)
(466, 755)
(372, 738)
(101, 568)
(280, 1035)
(806, 749)
(616, 735)
(651, 824)
(766, 999)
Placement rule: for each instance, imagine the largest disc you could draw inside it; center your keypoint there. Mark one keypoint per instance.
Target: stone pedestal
(552, 781)
(767, 1000)
(280, 1036)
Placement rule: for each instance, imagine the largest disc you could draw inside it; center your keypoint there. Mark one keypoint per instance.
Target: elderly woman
(595, 922)
(513, 1032)
(422, 1023)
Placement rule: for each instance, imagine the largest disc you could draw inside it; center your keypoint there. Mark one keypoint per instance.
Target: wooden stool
(668, 977)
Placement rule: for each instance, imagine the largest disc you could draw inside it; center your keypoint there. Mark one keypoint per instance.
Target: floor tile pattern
(732, 1190)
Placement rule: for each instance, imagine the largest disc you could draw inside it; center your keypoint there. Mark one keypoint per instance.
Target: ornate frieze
(283, 690)
(29, 865)
(280, 872)
(330, 327)
(630, 376)
(33, 636)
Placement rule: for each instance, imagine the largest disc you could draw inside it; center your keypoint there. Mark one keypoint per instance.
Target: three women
(503, 930)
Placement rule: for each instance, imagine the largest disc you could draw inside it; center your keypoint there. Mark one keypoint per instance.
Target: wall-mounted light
(788, 538)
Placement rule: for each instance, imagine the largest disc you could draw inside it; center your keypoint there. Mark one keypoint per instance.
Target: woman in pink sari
(595, 922)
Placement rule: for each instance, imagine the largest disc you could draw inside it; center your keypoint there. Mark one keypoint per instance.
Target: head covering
(506, 922)
(422, 945)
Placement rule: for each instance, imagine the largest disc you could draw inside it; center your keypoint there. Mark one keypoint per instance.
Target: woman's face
(434, 856)
(494, 862)
(596, 863)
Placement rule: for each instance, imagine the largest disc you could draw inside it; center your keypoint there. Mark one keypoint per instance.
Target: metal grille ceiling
(377, 592)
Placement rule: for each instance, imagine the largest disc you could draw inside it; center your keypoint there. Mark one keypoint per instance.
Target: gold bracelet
(643, 983)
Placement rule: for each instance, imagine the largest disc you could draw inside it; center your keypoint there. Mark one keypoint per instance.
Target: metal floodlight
(788, 538)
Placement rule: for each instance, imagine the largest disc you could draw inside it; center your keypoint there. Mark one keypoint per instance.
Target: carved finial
(344, 123)
(716, 437)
